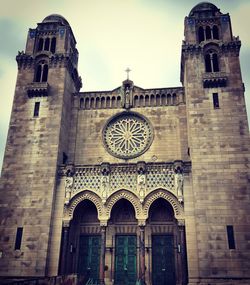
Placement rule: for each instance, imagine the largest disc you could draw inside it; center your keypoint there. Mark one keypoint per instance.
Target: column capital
(66, 223)
(103, 223)
(142, 223)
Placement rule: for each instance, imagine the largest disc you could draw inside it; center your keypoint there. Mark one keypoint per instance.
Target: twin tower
(128, 185)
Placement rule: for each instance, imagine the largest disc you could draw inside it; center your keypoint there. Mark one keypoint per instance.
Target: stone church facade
(129, 185)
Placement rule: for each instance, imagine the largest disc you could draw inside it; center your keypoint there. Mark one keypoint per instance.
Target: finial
(128, 70)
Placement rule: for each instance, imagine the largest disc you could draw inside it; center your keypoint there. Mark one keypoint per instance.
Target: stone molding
(141, 210)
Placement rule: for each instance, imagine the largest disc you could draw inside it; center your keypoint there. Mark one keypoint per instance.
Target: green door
(125, 260)
(89, 256)
(163, 263)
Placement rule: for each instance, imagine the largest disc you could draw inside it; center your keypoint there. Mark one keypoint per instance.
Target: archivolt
(177, 207)
(85, 195)
(123, 194)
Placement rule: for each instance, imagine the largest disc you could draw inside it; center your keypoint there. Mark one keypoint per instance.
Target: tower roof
(204, 8)
(56, 18)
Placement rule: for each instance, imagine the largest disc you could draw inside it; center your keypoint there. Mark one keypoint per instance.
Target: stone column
(102, 257)
(65, 241)
(142, 253)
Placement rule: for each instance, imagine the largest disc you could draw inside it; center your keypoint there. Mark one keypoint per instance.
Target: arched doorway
(84, 242)
(165, 246)
(122, 231)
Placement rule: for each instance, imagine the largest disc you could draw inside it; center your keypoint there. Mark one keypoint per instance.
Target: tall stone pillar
(65, 241)
(142, 253)
(102, 256)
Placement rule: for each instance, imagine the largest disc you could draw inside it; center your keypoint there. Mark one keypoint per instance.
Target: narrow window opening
(208, 33)
(45, 73)
(208, 63)
(215, 32)
(215, 62)
(201, 34)
(169, 99)
(92, 102)
(19, 235)
(81, 103)
(47, 44)
(230, 237)
(118, 103)
(40, 45)
(36, 109)
(216, 101)
(53, 45)
(38, 73)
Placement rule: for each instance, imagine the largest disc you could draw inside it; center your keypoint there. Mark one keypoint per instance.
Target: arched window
(103, 102)
(92, 102)
(45, 73)
(87, 103)
(53, 45)
(142, 102)
(163, 100)
(47, 44)
(169, 99)
(40, 45)
(201, 34)
(215, 33)
(158, 100)
(108, 102)
(208, 33)
(118, 101)
(41, 74)
(152, 100)
(211, 62)
(146, 101)
(97, 101)
(215, 64)
(81, 103)
(136, 101)
(113, 102)
(174, 99)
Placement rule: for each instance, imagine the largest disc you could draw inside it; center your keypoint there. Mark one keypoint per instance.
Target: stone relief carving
(68, 188)
(141, 179)
(179, 179)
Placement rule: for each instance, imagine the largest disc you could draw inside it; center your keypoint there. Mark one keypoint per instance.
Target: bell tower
(218, 138)
(37, 142)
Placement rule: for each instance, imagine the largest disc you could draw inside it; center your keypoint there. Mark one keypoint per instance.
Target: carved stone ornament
(127, 135)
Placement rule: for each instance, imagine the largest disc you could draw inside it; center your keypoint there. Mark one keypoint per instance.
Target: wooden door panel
(125, 260)
(163, 264)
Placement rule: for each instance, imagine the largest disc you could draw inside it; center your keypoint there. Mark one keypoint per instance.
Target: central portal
(125, 260)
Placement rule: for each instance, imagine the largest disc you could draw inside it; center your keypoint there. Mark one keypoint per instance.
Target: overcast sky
(145, 35)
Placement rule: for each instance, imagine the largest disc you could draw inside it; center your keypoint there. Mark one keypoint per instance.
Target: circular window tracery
(127, 135)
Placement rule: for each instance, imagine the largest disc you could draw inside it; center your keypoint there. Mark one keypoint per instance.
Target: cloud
(11, 37)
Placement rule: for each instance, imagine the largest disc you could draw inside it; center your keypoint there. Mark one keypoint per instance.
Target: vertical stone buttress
(37, 142)
(218, 137)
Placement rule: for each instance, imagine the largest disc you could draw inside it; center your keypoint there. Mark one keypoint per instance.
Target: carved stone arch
(123, 194)
(160, 193)
(84, 195)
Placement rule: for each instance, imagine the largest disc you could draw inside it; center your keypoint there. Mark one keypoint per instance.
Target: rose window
(127, 135)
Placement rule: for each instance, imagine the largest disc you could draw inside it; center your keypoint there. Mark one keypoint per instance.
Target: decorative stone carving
(179, 186)
(123, 195)
(69, 181)
(105, 168)
(104, 188)
(69, 209)
(127, 135)
(177, 207)
(179, 179)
